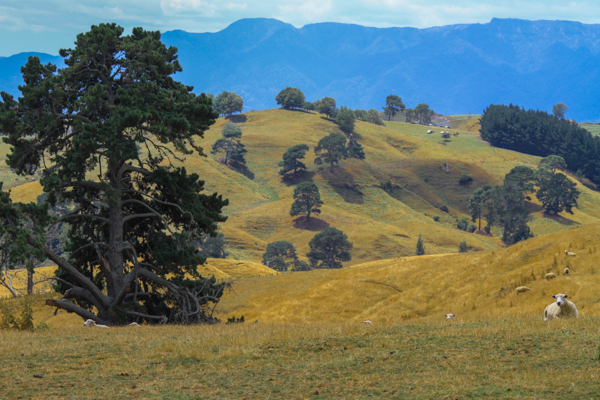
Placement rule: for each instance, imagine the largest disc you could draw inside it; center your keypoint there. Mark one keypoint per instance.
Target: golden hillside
(471, 285)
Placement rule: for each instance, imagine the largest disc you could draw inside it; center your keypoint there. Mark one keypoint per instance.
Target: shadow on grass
(238, 119)
(532, 207)
(560, 219)
(343, 184)
(246, 172)
(314, 224)
(303, 176)
(298, 110)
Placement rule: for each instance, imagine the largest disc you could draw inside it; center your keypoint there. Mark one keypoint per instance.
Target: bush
(420, 247)
(444, 209)
(471, 228)
(462, 247)
(462, 223)
(436, 218)
(487, 229)
(465, 180)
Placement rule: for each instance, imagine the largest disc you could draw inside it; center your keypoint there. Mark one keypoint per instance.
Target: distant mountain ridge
(455, 69)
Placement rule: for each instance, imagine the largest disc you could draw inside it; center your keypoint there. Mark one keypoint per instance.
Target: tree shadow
(297, 110)
(314, 224)
(560, 219)
(532, 207)
(238, 119)
(303, 176)
(245, 171)
(343, 184)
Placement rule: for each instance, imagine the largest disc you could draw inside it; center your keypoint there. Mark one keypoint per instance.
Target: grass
(519, 357)
(594, 129)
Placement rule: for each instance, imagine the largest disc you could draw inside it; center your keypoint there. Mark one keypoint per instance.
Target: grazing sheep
(449, 316)
(522, 289)
(569, 253)
(134, 324)
(430, 131)
(551, 275)
(367, 322)
(562, 308)
(566, 272)
(91, 322)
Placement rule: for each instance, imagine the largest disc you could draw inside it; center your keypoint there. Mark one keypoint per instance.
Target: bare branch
(163, 320)
(72, 307)
(128, 167)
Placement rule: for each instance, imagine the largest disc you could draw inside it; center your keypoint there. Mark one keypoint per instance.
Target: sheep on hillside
(449, 316)
(569, 253)
(367, 322)
(522, 289)
(551, 275)
(134, 324)
(430, 131)
(566, 272)
(91, 322)
(562, 308)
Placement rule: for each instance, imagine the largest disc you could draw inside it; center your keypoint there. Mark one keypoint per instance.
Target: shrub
(420, 247)
(471, 228)
(462, 223)
(465, 180)
(462, 247)
(436, 218)
(444, 208)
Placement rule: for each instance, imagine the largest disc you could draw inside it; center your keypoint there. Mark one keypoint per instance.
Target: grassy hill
(381, 224)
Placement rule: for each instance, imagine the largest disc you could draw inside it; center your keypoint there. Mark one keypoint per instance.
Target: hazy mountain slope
(455, 69)
(10, 70)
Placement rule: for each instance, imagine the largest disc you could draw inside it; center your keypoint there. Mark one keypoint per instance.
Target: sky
(49, 25)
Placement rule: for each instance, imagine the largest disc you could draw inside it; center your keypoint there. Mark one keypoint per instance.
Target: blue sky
(48, 25)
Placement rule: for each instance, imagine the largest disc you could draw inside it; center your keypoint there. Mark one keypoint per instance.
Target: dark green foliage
(345, 119)
(234, 320)
(420, 247)
(507, 210)
(373, 117)
(354, 149)
(540, 134)
(436, 218)
(471, 228)
(465, 180)
(477, 201)
(300, 265)
(228, 103)
(232, 147)
(421, 114)
(213, 246)
(462, 247)
(329, 248)
(331, 149)
(280, 255)
(553, 163)
(444, 208)
(393, 104)
(291, 161)
(290, 98)
(522, 176)
(410, 116)
(134, 227)
(309, 106)
(559, 110)
(307, 200)
(445, 135)
(558, 194)
(326, 106)
(462, 223)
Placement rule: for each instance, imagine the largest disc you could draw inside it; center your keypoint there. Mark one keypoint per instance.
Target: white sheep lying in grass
(551, 275)
(562, 308)
(566, 272)
(91, 322)
(367, 322)
(570, 253)
(449, 316)
(522, 289)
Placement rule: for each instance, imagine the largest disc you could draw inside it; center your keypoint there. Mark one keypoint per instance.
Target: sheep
(91, 322)
(449, 316)
(430, 131)
(522, 289)
(367, 322)
(570, 253)
(134, 324)
(562, 308)
(551, 275)
(566, 272)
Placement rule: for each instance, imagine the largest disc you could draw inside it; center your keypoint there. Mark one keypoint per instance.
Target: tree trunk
(29, 282)
(479, 218)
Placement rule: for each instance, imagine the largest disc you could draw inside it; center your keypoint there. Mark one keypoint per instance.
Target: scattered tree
(345, 119)
(559, 110)
(478, 200)
(309, 106)
(231, 145)
(280, 255)
(133, 230)
(423, 114)
(326, 106)
(446, 135)
(553, 164)
(228, 103)
(462, 247)
(410, 115)
(331, 149)
(420, 246)
(558, 194)
(507, 210)
(393, 104)
(523, 177)
(373, 117)
(354, 149)
(307, 200)
(465, 180)
(213, 246)
(329, 248)
(291, 160)
(290, 98)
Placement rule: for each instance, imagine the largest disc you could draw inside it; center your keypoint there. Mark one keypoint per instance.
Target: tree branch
(128, 167)
(72, 307)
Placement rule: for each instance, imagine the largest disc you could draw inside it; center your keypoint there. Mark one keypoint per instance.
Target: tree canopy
(231, 146)
(290, 98)
(420, 247)
(423, 114)
(291, 160)
(228, 103)
(477, 202)
(345, 119)
(131, 253)
(558, 194)
(307, 200)
(280, 255)
(326, 106)
(331, 149)
(393, 104)
(559, 110)
(329, 248)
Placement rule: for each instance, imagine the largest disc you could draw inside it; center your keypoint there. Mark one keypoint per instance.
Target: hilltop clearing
(381, 223)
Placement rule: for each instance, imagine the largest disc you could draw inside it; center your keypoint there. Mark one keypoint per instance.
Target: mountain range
(456, 69)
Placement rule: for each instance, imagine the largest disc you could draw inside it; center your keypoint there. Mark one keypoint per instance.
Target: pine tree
(420, 246)
(307, 200)
(291, 160)
(331, 149)
(329, 248)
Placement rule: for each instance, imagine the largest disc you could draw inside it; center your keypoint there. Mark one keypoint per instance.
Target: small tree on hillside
(307, 200)
(477, 202)
(354, 149)
(345, 119)
(559, 110)
(291, 160)
(423, 114)
(558, 194)
(393, 104)
(420, 246)
(523, 177)
(290, 98)
(410, 116)
(326, 106)
(213, 246)
(280, 255)
(373, 117)
(507, 210)
(462, 247)
(232, 147)
(331, 149)
(329, 248)
(228, 103)
(553, 164)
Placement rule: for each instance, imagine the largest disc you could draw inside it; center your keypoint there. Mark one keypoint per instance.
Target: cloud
(307, 9)
(178, 7)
